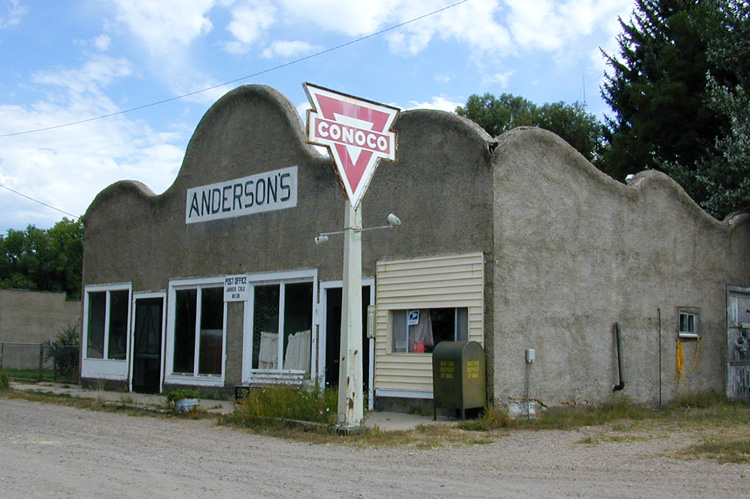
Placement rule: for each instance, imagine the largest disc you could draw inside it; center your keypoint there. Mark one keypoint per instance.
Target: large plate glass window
(282, 326)
(197, 330)
(419, 330)
(107, 323)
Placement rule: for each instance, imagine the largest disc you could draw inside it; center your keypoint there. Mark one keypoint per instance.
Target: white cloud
(102, 42)
(287, 49)
(165, 25)
(66, 167)
(351, 17)
(12, 13)
(250, 20)
(551, 25)
(96, 73)
(440, 103)
(167, 29)
(500, 79)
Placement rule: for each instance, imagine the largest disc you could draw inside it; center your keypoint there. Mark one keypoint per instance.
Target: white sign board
(356, 131)
(236, 288)
(269, 191)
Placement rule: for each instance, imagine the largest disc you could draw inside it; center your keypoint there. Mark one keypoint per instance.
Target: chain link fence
(39, 361)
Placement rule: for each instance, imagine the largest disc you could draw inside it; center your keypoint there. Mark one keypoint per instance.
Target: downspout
(658, 315)
(621, 384)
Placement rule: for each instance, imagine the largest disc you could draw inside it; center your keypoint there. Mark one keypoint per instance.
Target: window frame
(104, 367)
(688, 312)
(392, 322)
(195, 378)
(273, 278)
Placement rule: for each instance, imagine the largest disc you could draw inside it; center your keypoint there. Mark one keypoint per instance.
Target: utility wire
(265, 71)
(37, 201)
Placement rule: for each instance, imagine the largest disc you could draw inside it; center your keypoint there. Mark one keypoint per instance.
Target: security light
(393, 222)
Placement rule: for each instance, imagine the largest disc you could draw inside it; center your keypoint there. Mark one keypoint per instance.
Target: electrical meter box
(458, 376)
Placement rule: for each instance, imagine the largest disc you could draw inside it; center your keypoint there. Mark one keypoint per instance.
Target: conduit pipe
(618, 345)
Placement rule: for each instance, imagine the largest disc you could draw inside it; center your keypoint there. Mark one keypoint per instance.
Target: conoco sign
(356, 131)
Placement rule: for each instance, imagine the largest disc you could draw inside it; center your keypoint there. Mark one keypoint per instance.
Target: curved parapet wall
(254, 130)
(577, 252)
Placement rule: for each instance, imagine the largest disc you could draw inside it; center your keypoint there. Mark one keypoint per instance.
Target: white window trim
(321, 356)
(390, 324)
(283, 277)
(733, 293)
(196, 379)
(695, 312)
(114, 369)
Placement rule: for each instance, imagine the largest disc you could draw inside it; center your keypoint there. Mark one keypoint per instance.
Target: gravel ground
(55, 451)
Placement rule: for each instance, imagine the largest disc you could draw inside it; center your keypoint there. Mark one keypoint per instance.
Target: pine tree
(722, 176)
(657, 89)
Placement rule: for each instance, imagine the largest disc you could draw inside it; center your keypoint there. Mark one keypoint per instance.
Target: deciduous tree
(573, 123)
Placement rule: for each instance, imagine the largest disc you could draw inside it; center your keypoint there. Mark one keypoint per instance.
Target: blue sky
(67, 61)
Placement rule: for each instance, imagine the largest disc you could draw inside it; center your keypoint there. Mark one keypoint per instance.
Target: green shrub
(274, 404)
(64, 351)
(492, 418)
(4, 383)
(182, 393)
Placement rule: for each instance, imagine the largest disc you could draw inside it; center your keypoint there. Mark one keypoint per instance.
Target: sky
(96, 91)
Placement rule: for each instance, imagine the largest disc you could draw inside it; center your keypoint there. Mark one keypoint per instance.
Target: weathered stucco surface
(569, 252)
(34, 316)
(440, 186)
(577, 252)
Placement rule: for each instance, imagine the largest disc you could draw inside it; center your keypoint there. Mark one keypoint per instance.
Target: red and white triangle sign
(356, 131)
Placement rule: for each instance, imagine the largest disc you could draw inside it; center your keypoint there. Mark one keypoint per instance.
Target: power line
(259, 73)
(37, 201)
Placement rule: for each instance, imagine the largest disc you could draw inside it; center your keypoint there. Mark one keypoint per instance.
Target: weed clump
(274, 405)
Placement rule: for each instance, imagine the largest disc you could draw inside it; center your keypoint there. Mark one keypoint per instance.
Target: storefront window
(107, 324)
(295, 323)
(198, 331)
(419, 330)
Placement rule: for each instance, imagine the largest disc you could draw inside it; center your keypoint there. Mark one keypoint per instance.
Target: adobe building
(516, 242)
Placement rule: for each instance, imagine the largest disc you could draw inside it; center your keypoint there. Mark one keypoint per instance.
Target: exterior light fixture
(393, 222)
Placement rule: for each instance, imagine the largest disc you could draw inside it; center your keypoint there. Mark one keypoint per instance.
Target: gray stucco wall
(568, 250)
(440, 186)
(576, 252)
(32, 317)
(35, 317)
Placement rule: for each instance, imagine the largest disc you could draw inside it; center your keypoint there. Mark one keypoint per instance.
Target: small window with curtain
(419, 330)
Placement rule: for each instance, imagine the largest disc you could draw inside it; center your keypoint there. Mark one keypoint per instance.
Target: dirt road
(55, 451)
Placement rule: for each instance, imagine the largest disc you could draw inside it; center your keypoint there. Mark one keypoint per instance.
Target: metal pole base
(344, 429)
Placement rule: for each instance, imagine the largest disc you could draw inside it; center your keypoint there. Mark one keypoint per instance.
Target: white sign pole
(358, 134)
(351, 398)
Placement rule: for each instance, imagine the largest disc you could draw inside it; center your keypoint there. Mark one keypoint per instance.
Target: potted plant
(183, 400)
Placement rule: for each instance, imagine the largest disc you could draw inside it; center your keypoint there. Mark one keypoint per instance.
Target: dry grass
(719, 427)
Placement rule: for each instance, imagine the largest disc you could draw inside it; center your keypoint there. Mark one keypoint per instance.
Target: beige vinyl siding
(437, 282)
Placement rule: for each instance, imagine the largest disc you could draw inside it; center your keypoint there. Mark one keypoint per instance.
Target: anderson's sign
(356, 131)
(268, 191)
